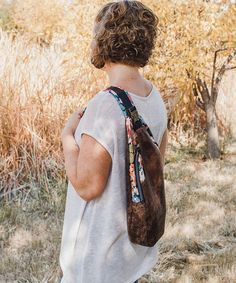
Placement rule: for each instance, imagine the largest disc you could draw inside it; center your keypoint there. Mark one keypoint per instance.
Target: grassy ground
(200, 240)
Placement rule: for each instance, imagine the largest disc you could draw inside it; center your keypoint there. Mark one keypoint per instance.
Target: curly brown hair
(126, 32)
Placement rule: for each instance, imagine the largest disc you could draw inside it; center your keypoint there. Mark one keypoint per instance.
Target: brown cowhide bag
(145, 190)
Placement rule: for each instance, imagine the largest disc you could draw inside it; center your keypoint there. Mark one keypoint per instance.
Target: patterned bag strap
(128, 105)
(128, 108)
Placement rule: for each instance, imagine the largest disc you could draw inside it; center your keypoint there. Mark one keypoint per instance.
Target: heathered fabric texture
(95, 246)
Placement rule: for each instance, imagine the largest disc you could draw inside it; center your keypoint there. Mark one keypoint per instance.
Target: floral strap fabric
(132, 121)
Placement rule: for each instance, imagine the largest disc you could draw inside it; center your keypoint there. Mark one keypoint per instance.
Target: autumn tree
(190, 33)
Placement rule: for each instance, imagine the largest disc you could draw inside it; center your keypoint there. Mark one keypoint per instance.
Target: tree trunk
(208, 102)
(212, 132)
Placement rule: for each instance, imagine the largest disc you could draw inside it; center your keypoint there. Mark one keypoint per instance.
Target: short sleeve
(165, 117)
(99, 123)
(162, 123)
(163, 113)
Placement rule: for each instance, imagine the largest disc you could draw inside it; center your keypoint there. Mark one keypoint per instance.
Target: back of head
(125, 32)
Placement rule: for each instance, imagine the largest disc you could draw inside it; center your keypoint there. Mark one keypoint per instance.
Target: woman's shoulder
(101, 95)
(104, 101)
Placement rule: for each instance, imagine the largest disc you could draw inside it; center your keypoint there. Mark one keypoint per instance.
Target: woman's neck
(128, 78)
(119, 73)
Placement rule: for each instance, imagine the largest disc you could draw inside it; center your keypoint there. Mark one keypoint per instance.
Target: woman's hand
(69, 145)
(72, 123)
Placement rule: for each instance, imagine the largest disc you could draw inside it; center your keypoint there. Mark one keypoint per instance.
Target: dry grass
(39, 87)
(198, 246)
(45, 74)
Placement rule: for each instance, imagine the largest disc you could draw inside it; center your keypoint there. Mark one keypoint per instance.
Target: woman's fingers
(72, 123)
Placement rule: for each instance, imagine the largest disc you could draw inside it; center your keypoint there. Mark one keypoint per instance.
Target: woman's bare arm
(87, 166)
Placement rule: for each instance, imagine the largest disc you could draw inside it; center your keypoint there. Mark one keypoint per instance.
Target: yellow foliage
(46, 73)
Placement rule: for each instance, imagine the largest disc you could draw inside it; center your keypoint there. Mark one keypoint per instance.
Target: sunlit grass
(39, 88)
(199, 241)
(45, 74)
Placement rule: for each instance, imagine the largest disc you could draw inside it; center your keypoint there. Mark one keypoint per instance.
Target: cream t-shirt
(95, 247)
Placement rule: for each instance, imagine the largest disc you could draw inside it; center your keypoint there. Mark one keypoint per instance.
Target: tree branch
(203, 89)
(194, 89)
(200, 104)
(218, 79)
(230, 68)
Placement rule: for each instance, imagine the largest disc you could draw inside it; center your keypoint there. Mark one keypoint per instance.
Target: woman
(95, 245)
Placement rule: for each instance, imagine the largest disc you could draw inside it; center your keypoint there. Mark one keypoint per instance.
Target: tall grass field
(45, 75)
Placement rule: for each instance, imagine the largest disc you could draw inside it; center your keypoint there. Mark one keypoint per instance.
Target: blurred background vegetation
(45, 74)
